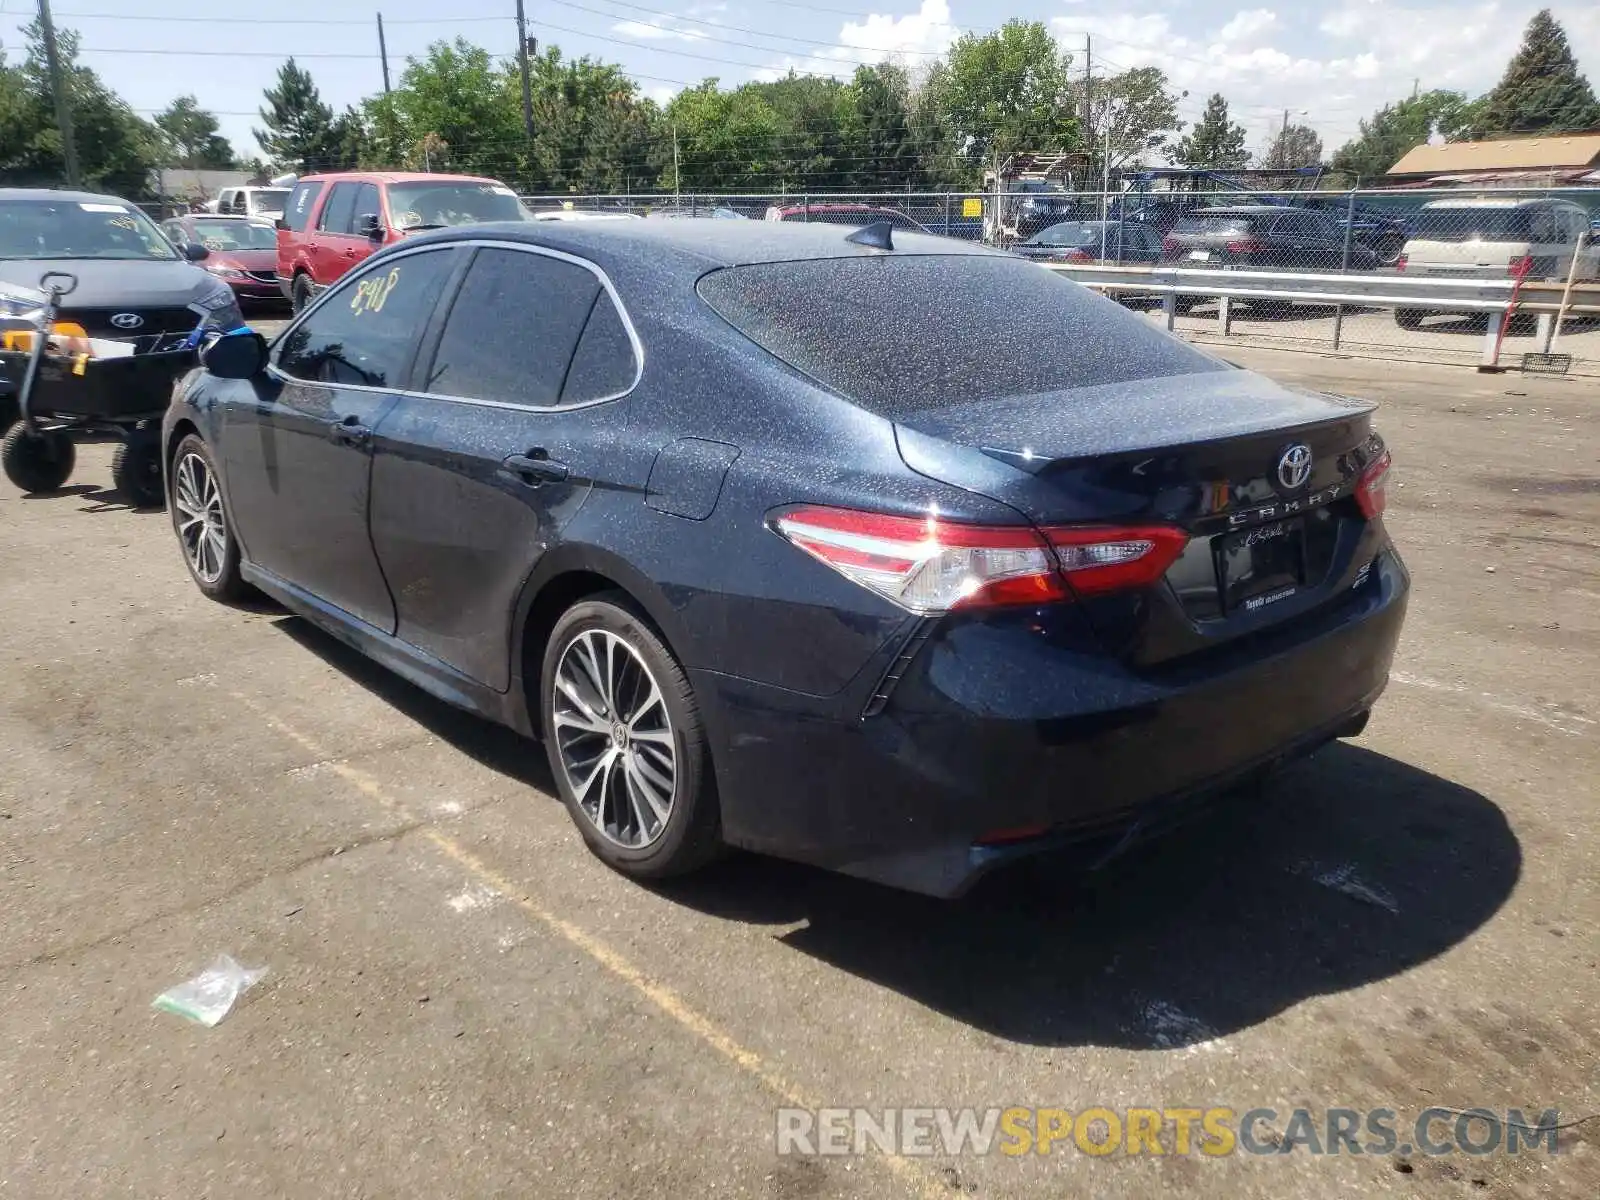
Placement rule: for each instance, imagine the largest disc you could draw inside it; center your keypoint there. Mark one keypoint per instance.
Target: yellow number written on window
(371, 293)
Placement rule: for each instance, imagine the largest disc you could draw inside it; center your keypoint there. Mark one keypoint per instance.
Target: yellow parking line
(658, 994)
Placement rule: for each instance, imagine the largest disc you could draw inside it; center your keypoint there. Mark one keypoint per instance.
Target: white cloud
(1358, 56)
(656, 31)
(873, 39)
(1248, 26)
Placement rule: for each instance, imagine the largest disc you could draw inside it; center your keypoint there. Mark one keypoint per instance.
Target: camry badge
(127, 320)
(1294, 467)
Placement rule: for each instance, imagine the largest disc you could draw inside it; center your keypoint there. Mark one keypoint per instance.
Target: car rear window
(1216, 225)
(1467, 224)
(905, 334)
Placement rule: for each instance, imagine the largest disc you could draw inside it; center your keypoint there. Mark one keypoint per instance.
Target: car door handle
(350, 432)
(535, 467)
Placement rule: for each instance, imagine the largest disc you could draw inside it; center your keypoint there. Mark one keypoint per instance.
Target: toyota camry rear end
(1053, 577)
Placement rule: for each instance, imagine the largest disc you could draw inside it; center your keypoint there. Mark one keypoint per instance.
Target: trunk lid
(1270, 535)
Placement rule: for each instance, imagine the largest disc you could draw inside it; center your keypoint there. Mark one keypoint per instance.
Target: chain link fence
(1544, 237)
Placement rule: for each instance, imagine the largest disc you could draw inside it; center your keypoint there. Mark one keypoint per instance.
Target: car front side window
(365, 332)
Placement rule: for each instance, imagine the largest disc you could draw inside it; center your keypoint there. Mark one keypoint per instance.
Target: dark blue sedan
(702, 507)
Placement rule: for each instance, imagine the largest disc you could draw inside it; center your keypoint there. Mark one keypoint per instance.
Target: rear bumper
(992, 731)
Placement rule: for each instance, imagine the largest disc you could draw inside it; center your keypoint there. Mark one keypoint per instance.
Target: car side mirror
(368, 225)
(280, 223)
(194, 251)
(241, 355)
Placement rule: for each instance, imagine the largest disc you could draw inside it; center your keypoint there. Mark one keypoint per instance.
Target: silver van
(1488, 237)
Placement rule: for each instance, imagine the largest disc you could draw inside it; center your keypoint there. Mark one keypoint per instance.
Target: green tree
(1005, 92)
(1139, 112)
(1542, 89)
(591, 129)
(456, 93)
(1293, 146)
(1215, 140)
(721, 141)
(1395, 129)
(190, 136)
(877, 107)
(299, 132)
(117, 150)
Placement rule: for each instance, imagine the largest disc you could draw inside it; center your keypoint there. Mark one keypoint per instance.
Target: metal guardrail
(1365, 289)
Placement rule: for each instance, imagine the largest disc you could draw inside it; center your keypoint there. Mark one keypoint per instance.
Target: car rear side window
(513, 328)
(904, 334)
(336, 212)
(604, 365)
(297, 213)
(365, 333)
(1212, 225)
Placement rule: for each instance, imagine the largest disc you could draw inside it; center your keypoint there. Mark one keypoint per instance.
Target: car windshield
(1469, 224)
(1217, 225)
(235, 235)
(425, 204)
(1073, 233)
(44, 229)
(864, 326)
(269, 201)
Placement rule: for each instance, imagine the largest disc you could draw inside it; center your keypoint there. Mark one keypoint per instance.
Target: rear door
(507, 429)
(298, 452)
(332, 252)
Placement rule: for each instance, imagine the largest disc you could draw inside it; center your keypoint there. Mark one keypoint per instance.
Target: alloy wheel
(614, 738)
(202, 527)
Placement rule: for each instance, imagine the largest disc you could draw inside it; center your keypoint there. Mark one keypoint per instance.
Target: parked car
(125, 284)
(264, 202)
(1382, 232)
(1267, 237)
(850, 215)
(765, 565)
(1091, 241)
(241, 251)
(333, 222)
(682, 211)
(582, 214)
(1489, 238)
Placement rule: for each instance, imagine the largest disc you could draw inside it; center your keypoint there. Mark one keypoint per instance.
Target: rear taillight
(1169, 245)
(1247, 245)
(1400, 263)
(930, 566)
(1370, 495)
(1076, 255)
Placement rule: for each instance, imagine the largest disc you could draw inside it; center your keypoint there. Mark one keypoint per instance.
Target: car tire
(37, 462)
(617, 750)
(200, 520)
(1389, 249)
(136, 468)
(299, 293)
(1409, 318)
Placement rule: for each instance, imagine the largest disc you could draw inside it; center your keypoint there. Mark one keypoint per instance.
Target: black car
(1268, 237)
(1382, 232)
(1094, 241)
(701, 505)
(127, 284)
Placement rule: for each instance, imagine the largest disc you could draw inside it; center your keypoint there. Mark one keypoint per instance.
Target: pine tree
(1215, 142)
(299, 133)
(1542, 90)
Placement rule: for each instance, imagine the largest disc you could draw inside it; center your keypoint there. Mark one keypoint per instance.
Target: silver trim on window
(350, 277)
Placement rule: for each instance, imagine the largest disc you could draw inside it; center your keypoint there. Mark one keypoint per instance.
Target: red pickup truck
(331, 222)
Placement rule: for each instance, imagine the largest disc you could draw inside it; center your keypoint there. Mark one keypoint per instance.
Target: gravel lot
(462, 1002)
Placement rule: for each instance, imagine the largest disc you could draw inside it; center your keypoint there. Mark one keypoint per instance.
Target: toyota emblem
(127, 320)
(1294, 466)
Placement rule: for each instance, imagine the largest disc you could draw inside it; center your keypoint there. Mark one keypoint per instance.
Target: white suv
(1486, 237)
(264, 202)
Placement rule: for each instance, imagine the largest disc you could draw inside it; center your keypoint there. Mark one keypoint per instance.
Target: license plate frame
(1260, 566)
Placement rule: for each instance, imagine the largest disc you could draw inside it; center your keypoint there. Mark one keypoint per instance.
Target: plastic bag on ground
(209, 996)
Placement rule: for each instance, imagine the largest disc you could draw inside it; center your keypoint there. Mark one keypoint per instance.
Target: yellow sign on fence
(972, 206)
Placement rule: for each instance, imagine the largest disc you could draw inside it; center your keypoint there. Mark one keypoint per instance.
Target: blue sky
(1328, 63)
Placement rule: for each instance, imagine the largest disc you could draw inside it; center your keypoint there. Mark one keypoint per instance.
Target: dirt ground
(462, 1002)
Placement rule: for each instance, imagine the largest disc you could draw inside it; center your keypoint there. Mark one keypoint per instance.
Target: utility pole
(1088, 111)
(522, 62)
(69, 149)
(383, 53)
